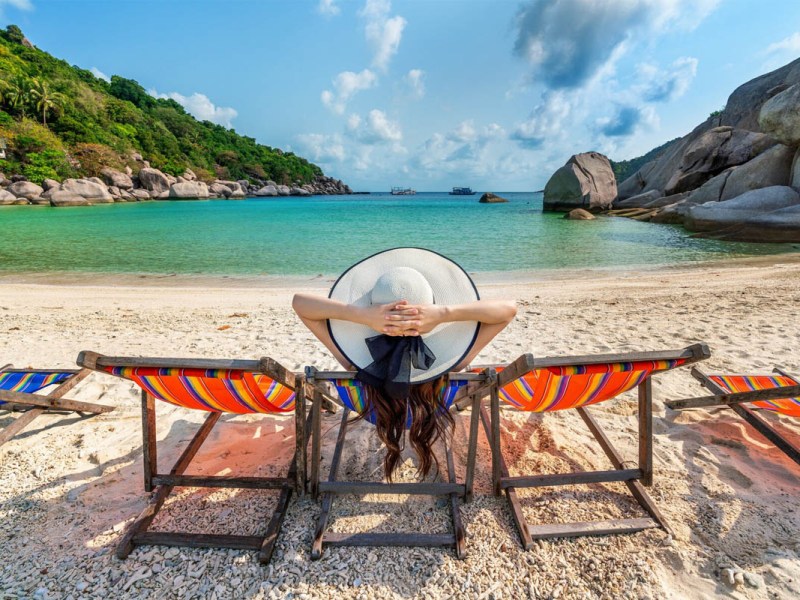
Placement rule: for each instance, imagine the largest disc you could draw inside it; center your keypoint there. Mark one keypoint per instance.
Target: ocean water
(325, 234)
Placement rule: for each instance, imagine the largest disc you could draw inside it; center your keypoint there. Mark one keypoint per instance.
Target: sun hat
(422, 277)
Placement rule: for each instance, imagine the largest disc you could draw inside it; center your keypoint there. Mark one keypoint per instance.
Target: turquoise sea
(325, 234)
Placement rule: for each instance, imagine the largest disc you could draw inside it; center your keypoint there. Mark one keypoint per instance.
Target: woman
(403, 319)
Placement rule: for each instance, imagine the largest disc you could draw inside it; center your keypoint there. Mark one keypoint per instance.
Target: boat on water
(462, 191)
(401, 191)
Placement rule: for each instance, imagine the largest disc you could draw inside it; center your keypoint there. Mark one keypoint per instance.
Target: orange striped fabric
(751, 383)
(571, 386)
(212, 390)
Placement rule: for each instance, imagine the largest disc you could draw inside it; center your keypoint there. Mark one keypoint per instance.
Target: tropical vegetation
(60, 120)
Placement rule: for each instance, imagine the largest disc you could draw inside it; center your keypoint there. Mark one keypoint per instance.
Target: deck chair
(550, 384)
(779, 393)
(214, 386)
(18, 391)
(469, 387)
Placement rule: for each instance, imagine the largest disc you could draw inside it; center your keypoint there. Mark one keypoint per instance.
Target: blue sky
(430, 94)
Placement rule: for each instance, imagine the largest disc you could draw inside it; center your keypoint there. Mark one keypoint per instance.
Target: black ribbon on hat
(393, 357)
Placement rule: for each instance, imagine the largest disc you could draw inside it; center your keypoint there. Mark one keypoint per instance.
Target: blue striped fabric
(353, 397)
(30, 383)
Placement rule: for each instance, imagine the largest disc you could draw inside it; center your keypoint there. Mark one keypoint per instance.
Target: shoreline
(490, 278)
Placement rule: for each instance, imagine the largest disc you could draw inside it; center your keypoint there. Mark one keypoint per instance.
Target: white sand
(68, 485)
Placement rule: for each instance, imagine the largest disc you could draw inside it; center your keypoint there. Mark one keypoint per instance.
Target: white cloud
(20, 4)
(383, 32)
(415, 82)
(567, 44)
(99, 74)
(789, 44)
(321, 147)
(346, 84)
(377, 128)
(546, 121)
(664, 85)
(201, 107)
(328, 8)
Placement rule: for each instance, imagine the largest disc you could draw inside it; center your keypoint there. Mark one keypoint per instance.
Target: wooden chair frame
(36, 404)
(634, 478)
(162, 484)
(477, 387)
(735, 401)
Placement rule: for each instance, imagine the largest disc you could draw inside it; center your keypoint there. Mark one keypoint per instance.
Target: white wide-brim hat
(420, 276)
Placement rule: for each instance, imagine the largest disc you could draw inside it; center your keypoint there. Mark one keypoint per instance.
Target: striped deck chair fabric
(561, 387)
(31, 382)
(352, 394)
(752, 383)
(212, 390)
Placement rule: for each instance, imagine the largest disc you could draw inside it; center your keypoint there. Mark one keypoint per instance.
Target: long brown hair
(430, 421)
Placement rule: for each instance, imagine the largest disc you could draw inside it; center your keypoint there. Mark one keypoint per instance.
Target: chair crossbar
(608, 527)
(390, 539)
(377, 487)
(218, 481)
(570, 478)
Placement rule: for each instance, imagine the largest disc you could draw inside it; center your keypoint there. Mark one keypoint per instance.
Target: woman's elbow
(510, 310)
(297, 303)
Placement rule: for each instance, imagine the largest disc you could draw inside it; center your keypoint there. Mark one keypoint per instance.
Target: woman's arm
(315, 311)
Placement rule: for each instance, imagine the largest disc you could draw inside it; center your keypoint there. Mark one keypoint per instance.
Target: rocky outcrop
(62, 198)
(25, 189)
(267, 190)
(773, 167)
(96, 193)
(745, 212)
(780, 117)
(744, 105)
(189, 190)
(298, 191)
(713, 152)
(6, 197)
(153, 180)
(490, 198)
(585, 181)
(50, 183)
(117, 179)
(795, 177)
(578, 214)
(639, 200)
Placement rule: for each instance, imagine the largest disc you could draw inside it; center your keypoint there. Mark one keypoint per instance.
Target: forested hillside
(61, 121)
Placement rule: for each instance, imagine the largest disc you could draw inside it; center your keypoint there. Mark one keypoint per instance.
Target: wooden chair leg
(472, 450)
(495, 440)
(646, 431)
(19, 424)
(458, 526)
(316, 441)
(327, 498)
(149, 446)
(300, 434)
(278, 515)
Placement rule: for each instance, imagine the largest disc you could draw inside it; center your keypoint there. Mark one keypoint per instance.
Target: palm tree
(17, 93)
(44, 98)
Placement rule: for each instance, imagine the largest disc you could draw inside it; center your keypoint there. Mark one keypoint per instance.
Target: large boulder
(267, 190)
(298, 191)
(586, 181)
(141, 194)
(490, 198)
(220, 189)
(639, 200)
(66, 198)
(189, 190)
(50, 183)
(283, 190)
(579, 214)
(25, 189)
(780, 116)
(795, 178)
(711, 190)
(154, 181)
(7, 197)
(96, 193)
(237, 195)
(712, 153)
(189, 175)
(773, 167)
(745, 103)
(716, 216)
(117, 179)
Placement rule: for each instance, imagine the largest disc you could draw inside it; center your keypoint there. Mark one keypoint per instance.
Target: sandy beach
(69, 485)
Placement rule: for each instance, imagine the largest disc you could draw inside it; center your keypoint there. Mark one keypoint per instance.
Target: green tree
(130, 90)
(18, 93)
(44, 98)
(14, 34)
